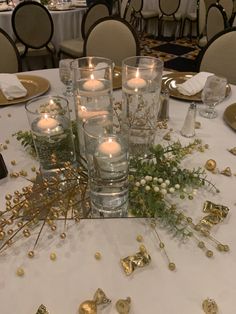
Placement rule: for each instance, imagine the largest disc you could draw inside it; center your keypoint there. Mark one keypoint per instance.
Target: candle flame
(137, 73)
(92, 77)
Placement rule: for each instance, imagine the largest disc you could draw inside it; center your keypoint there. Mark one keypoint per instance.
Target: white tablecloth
(67, 24)
(63, 284)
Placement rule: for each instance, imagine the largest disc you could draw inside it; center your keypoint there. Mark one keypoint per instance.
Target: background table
(63, 284)
(67, 24)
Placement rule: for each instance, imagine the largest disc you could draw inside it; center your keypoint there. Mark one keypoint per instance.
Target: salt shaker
(163, 113)
(188, 129)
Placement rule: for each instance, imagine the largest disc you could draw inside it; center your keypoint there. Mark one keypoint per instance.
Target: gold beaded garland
(209, 253)
(172, 266)
(31, 254)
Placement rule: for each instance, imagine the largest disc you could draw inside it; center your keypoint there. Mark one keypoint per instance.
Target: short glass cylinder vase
(92, 81)
(141, 85)
(50, 126)
(108, 166)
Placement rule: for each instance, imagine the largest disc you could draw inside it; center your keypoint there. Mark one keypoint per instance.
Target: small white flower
(174, 169)
(167, 182)
(143, 182)
(156, 189)
(160, 180)
(171, 190)
(194, 192)
(147, 188)
(163, 185)
(195, 175)
(155, 179)
(137, 184)
(184, 190)
(163, 191)
(177, 186)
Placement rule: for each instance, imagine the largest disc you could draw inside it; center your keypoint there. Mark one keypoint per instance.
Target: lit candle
(93, 85)
(136, 82)
(109, 147)
(47, 123)
(84, 114)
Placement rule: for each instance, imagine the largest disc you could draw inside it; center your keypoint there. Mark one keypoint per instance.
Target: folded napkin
(193, 85)
(11, 86)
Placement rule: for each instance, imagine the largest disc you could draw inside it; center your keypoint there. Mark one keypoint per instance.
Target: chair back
(228, 5)
(133, 6)
(32, 24)
(169, 7)
(208, 3)
(137, 5)
(94, 13)
(124, 7)
(219, 55)
(9, 55)
(201, 17)
(216, 20)
(112, 38)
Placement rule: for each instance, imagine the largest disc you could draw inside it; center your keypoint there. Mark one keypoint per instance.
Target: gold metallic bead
(220, 247)
(10, 231)
(139, 238)
(226, 248)
(33, 169)
(53, 228)
(31, 254)
(13, 162)
(7, 141)
(209, 306)
(53, 256)
(209, 253)
(98, 255)
(9, 242)
(161, 245)
(197, 125)
(201, 244)
(171, 266)
(20, 272)
(2, 235)
(210, 164)
(4, 146)
(189, 219)
(63, 235)
(8, 197)
(20, 224)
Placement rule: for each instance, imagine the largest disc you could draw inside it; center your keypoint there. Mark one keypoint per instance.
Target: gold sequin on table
(123, 305)
(91, 306)
(209, 306)
(20, 272)
(139, 259)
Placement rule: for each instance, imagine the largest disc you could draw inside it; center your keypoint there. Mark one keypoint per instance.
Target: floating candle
(110, 147)
(46, 123)
(136, 82)
(93, 85)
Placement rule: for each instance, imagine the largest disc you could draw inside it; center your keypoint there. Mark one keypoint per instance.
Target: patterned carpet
(179, 54)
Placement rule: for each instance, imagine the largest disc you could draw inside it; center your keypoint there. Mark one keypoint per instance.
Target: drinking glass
(212, 94)
(107, 156)
(50, 125)
(65, 73)
(141, 85)
(92, 81)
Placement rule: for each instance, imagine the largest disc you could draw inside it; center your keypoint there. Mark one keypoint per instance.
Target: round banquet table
(67, 24)
(75, 275)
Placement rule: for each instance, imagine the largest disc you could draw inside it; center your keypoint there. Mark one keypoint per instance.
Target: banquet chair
(201, 23)
(216, 20)
(169, 13)
(190, 18)
(208, 3)
(228, 5)
(9, 56)
(219, 55)
(74, 47)
(33, 27)
(133, 14)
(112, 38)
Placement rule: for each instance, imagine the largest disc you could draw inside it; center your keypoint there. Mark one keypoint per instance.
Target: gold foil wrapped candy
(140, 259)
(209, 306)
(216, 214)
(90, 306)
(123, 306)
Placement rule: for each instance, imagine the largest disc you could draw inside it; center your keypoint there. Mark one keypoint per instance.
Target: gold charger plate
(230, 116)
(170, 81)
(117, 78)
(35, 86)
(61, 9)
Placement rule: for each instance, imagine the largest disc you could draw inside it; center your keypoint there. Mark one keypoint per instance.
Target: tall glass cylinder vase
(50, 126)
(141, 85)
(92, 80)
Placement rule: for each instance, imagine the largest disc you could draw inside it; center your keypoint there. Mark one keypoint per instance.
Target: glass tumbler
(92, 81)
(107, 156)
(141, 85)
(50, 126)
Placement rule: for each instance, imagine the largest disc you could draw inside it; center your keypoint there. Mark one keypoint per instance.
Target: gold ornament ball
(210, 164)
(20, 272)
(172, 266)
(53, 256)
